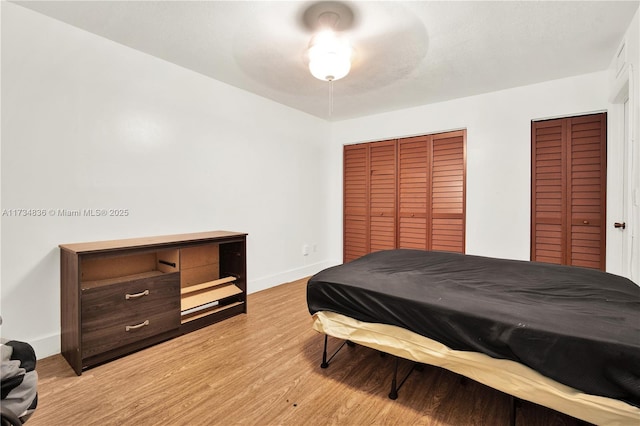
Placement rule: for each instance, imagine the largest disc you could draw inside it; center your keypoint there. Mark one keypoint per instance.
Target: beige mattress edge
(504, 375)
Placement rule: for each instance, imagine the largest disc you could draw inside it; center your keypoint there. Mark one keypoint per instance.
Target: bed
(564, 337)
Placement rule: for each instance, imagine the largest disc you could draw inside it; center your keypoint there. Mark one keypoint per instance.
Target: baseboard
(288, 276)
(46, 346)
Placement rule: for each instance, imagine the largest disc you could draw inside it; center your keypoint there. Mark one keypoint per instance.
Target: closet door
(382, 195)
(568, 198)
(447, 191)
(548, 197)
(406, 193)
(356, 201)
(413, 189)
(586, 192)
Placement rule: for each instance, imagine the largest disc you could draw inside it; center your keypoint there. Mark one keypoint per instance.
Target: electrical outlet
(305, 249)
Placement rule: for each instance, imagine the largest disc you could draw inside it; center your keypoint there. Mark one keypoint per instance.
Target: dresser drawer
(146, 295)
(119, 314)
(120, 332)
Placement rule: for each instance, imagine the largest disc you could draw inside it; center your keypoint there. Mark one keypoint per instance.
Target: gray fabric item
(22, 398)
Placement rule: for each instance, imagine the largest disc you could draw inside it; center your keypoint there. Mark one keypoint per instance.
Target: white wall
(498, 152)
(88, 123)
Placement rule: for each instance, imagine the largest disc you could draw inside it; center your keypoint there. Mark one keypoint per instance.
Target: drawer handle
(133, 327)
(134, 296)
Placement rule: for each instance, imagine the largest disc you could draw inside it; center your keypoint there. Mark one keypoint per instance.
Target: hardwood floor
(263, 368)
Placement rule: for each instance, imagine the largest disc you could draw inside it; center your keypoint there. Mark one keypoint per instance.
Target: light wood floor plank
(263, 368)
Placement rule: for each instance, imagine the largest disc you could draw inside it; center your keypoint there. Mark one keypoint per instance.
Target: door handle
(620, 225)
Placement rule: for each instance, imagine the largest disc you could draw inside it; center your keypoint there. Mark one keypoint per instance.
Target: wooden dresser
(122, 295)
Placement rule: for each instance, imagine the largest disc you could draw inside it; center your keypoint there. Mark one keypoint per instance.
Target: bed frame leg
(325, 361)
(395, 386)
(324, 364)
(515, 402)
(394, 381)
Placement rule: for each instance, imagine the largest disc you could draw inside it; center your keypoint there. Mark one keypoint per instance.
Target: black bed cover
(578, 326)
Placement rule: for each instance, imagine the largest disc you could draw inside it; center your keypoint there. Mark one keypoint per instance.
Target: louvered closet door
(568, 198)
(406, 193)
(448, 192)
(382, 195)
(356, 201)
(586, 192)
(413, 190)
(548, 192)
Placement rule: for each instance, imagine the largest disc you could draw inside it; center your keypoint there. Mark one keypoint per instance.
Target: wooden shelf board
(98, 283)
(205, 285)
(206, 296)
(206, 312)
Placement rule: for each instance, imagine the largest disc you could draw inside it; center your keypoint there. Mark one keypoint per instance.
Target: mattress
(577, 326)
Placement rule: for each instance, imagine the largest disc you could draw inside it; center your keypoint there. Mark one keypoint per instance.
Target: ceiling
(406, 53)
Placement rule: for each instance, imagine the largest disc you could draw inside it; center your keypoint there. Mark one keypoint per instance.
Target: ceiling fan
(329, 52)
(382, 41)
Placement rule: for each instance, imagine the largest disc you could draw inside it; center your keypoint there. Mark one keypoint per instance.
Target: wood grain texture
(106, 312)
(105, 268)
(587, 195)
(213, 294)
(356, 201)
(413, 190)
(263, 369)
(448, 191)
(382, 195)
(548, 192)
(70, 337)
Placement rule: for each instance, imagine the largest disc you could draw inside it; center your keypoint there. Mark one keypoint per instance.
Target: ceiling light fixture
(329, 54)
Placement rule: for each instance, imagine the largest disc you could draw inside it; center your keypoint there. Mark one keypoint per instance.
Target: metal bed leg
(324, 364)
(394, 389)
(325, 361)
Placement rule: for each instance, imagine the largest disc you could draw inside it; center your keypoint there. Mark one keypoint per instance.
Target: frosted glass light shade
(329, 56)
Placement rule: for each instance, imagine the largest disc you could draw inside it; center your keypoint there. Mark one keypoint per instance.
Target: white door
(622, 190)
(623, 224)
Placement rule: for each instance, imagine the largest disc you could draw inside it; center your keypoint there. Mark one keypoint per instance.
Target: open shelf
(109, 270)
(203, 291)
(206, 285)
(208, 295)
(199, 264)
(210, 311)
